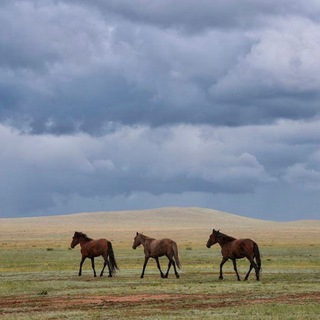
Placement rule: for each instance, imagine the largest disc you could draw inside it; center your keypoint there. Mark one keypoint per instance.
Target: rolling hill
(186, 225)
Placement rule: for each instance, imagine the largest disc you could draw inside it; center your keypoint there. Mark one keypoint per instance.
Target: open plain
(39, 272)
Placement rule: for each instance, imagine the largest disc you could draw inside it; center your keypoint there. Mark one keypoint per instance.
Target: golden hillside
(186, 225)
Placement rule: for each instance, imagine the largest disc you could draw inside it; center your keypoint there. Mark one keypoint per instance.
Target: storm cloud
(127, 105)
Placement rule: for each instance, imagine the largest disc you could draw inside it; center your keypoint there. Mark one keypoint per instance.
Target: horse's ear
(137, 232)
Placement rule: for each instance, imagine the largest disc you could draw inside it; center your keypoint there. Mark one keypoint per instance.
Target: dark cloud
(143, 162)
(71, 67)
(133, 104)
(125, 161)
(192, 16)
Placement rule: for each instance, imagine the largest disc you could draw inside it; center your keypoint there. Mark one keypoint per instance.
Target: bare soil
(166, 301)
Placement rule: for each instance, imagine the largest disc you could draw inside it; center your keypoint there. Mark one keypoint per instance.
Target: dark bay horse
(157, 248)
(232, 248)
(94, 248)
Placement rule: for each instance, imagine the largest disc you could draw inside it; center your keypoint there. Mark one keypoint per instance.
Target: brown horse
(157, 248)
(232, 248)
(94, 248)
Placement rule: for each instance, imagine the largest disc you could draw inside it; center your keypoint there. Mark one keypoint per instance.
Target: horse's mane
(83, 236)
(225, 237)
(146, 237)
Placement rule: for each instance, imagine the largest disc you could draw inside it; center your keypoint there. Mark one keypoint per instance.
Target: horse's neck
(83, 241)
(224, 239)
(146, 241)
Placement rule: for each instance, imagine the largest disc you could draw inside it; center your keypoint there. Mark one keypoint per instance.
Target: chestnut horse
(94, 248)
(232, 248)
(157, 248)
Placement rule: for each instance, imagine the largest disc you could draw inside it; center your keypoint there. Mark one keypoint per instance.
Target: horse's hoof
(220, 278)
(177, 276)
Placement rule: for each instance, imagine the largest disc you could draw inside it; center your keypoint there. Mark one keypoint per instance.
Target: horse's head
(75, 239)
(137, 240)
(212, 238)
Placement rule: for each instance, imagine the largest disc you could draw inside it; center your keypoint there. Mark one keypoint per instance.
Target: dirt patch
(165, 301)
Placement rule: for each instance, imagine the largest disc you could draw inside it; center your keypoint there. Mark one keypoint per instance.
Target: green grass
(42, 283)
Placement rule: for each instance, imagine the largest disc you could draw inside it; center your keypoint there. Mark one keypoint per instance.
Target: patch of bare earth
(167, 301)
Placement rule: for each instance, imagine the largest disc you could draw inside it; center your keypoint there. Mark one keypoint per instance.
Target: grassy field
(38, 271)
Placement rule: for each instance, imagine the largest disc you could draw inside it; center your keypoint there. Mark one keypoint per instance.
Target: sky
(129, 105)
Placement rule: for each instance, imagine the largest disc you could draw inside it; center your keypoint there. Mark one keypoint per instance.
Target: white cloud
(303, 177)
(283, 59)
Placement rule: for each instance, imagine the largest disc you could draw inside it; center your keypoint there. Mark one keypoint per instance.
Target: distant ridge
(179, 222)
(185, 212)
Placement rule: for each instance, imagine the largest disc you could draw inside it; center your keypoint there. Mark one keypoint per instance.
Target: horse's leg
(257, 269)
(144, 266)
(106, 262)
(171, 261)
(252, 265)
(235, 268)
(158, 265)
(169, 266)
(224, 260)
(92, 264)
(109, 268)
(250, 268)
(81, 263)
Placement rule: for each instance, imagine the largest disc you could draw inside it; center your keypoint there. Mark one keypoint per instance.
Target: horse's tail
(112, 259)
(257, 256)
(176, 254)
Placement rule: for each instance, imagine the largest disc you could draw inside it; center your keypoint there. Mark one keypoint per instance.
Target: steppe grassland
(38, 272)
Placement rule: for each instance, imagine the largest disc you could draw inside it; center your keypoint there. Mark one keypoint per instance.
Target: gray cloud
(192, 16)
(68, 67)
(130, 162)
(121, 104)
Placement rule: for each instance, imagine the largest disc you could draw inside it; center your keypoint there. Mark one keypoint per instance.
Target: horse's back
(249, 243)
(166, 243)
(97, 247)
(161, 247)
(238, 248)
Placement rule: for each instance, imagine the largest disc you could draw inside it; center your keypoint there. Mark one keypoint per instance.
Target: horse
(157, 248)
(94, 248)
(232, 248)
